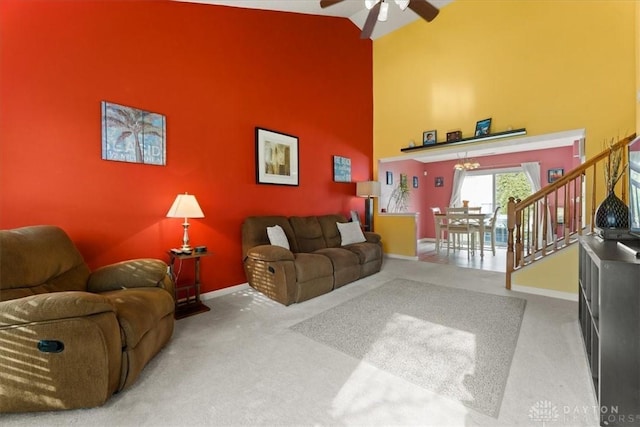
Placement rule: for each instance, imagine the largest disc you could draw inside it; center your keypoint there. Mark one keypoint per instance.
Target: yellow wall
(558, 272)
(638, 68)
(547, 66)
(399, 233)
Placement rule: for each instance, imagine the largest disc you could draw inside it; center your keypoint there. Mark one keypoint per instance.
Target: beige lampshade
(368, 189)
(185, 206)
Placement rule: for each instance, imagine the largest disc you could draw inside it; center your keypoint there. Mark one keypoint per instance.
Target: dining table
(473, 216)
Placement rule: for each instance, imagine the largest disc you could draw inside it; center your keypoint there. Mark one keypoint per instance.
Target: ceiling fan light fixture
(370, 3)
(384, 11)
(402, 4)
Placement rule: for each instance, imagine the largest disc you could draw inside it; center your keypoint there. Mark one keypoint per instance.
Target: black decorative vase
(612, 213)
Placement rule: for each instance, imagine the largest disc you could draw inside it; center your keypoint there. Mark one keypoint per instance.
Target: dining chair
(440, 227)
(490, 227)
(458, 225)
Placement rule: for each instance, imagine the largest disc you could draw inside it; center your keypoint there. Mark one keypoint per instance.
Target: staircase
(554, 217)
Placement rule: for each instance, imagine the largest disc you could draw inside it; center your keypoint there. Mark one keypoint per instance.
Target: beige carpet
(241, 364)
(454, 342)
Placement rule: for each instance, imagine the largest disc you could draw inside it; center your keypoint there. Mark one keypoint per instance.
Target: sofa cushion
(350, 232)
(366, 251)
(308, 233)
(254, 232)
(330, 229)
(277, 237)
(139, 310)
(39, 259)
(346, 265)
(311, 266)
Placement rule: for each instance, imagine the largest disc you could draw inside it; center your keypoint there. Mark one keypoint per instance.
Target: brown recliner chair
(69, 337)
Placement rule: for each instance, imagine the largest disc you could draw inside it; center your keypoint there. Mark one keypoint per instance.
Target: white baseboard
(225, 291)
(427, 240)
(410, 258)
(546, 292)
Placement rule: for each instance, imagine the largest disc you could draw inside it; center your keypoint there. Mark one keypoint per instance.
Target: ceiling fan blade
(327, 3)
(372, 17)
(426, 10)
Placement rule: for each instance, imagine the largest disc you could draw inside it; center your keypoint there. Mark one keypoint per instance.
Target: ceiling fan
(378, 10)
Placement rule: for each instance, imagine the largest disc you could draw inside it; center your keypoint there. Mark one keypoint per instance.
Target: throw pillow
(350, 232)
(277, 236)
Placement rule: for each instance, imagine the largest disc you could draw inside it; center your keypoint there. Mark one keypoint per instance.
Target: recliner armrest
(270, 253)
(52, 306)
(372, 237)
(138, 273)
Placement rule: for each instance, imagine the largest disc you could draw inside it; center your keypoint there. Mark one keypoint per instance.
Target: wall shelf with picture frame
(497, 135)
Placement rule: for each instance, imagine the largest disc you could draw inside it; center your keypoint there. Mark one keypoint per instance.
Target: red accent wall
(428, 195)
(215, 73)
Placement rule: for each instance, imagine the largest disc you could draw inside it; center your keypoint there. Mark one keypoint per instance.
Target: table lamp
(368, 189)
(185, 206)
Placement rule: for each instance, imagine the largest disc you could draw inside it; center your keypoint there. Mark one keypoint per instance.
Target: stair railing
(554, 217)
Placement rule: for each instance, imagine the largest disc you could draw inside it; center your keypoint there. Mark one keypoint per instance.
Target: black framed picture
(389, 178)
(439, 181)
(276, 158)
(456, 135)
(483, 127)
(429, 137)
(554, 174)
(415, 182)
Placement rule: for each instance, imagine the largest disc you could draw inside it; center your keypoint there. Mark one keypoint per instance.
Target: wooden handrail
(528, 220)
(578, 171)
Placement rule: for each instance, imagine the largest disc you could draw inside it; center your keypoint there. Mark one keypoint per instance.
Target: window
(491, 188)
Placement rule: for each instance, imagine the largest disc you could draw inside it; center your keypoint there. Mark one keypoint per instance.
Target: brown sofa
(316, 262)
(70, 338)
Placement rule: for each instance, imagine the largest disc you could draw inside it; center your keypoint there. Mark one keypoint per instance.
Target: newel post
(511, 224)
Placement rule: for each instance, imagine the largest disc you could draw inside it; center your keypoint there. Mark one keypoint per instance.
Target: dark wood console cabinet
(609, 311)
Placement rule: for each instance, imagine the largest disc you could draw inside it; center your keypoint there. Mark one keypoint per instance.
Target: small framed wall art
(341, 169)
(439, 182)
(276, 158)
(389, 178)
(429, 137)
(133, 135)
(554, 174)
(415, 182)
(456, 135)
(483, 127)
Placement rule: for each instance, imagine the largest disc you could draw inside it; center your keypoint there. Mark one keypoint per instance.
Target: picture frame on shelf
(483, 127)
(389, 178)
(554, 174)
(429, 137)
(439, 181)
(455, 135)
(341, 169)
(277, 158)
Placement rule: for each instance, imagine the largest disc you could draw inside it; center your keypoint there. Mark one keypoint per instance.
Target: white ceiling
(351, 9)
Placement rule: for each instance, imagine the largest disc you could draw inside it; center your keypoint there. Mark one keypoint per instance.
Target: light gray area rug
(454, 342)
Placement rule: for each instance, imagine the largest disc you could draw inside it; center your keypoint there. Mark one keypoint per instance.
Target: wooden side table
(187, 295)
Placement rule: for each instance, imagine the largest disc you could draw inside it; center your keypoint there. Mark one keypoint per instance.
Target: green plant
(400, 196)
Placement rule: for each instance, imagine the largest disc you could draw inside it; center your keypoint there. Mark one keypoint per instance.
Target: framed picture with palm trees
(133, 135)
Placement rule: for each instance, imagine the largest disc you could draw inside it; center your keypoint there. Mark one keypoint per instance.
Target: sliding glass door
(492, 188)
